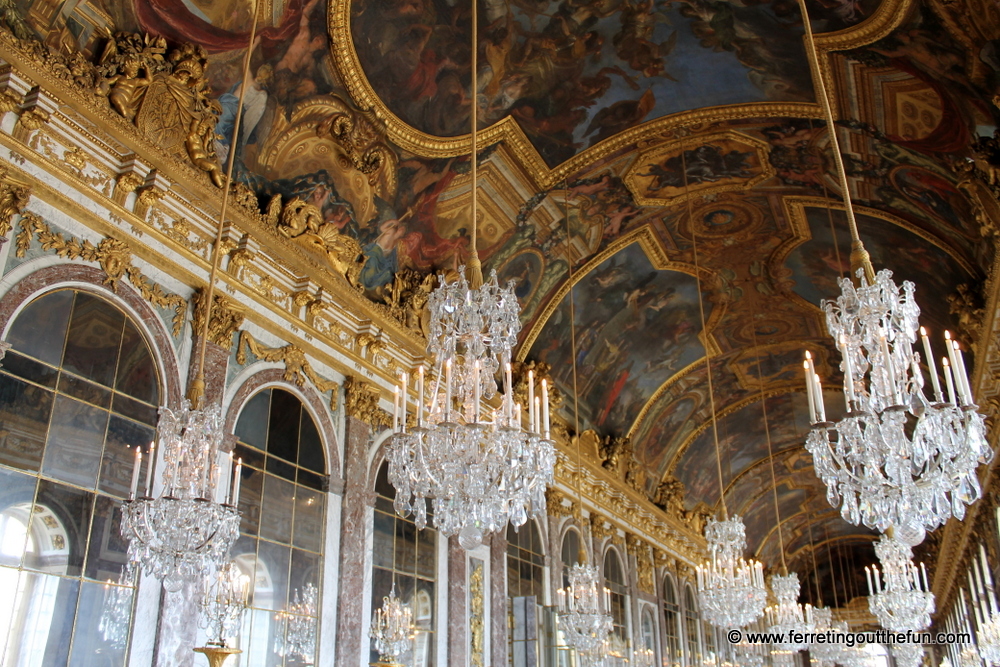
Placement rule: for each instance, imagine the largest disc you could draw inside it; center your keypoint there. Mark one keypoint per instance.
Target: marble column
(177, 631)
(555, 555)
(458, 621)
(358, 497)
(498, 600)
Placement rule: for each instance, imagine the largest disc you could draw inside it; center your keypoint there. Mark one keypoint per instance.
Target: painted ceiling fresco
(576, 72)
(703, 189)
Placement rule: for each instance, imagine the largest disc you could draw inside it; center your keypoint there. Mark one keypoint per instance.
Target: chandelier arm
(859, 256)
(196, 392)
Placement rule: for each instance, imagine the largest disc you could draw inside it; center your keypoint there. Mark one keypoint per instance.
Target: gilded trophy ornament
(303, 222)
(227, 318)
(361, 402)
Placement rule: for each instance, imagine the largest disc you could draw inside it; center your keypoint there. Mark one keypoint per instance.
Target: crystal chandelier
(731, 589)
(224, 603)
(827, 652)
(908, 655)
(480, 468)
(392, 628)
(899, 595)
(299, 620)
(787, 615)
(183, 533)
(644, 657)
(749, 655)
(896, 458)
(117, 608)
(584, 610)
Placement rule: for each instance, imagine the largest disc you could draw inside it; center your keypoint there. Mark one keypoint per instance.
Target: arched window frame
(110, 483)
(264, 623)
(693, 647)
(619, 595)
(673, 650)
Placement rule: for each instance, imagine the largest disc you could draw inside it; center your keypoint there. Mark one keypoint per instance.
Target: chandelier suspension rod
(705, 339)
(812, 552)
(196, 392)
(833, 572)
(767, 436)
(581, 552)
(475, 267)
(859, 256)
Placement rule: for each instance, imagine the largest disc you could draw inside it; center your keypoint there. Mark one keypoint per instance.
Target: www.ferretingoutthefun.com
(848, 638)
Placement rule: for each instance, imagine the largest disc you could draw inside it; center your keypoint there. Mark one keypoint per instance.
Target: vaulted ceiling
(657, 180)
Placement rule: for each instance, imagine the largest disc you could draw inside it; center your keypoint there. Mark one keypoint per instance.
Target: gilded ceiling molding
(653, 248)
(888, 16)
(664, 388)
(113, 255)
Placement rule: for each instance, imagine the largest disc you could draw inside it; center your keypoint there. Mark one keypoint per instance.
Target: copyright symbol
(735, 636)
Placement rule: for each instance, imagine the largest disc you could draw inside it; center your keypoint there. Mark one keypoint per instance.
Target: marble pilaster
(358, 497)
(498, 600)
(458, 621)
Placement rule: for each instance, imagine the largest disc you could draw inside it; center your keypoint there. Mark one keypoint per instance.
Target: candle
(517, 414)
(136, 466)
(508, 393)
(820, 406)
(848, 374)
(447, 383)
(878, 579)
(923, 573)
(531, 400)
(420, 395)
(395, 409)
(929, 355)
(538, 413)
(229, 476)
(960, 365)
(948, 381)
(475, 389)
(149, 470)
(402, 400)
(809, 391)
(545, 407)
(868, 575)
(237, 478)
(954, 367)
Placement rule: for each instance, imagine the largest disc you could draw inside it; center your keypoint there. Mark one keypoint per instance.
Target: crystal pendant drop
(584, 608)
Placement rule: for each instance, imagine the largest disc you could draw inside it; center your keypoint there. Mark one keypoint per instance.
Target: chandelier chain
(475, 267)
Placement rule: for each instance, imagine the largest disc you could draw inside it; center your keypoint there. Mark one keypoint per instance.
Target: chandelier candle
(134, 486)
